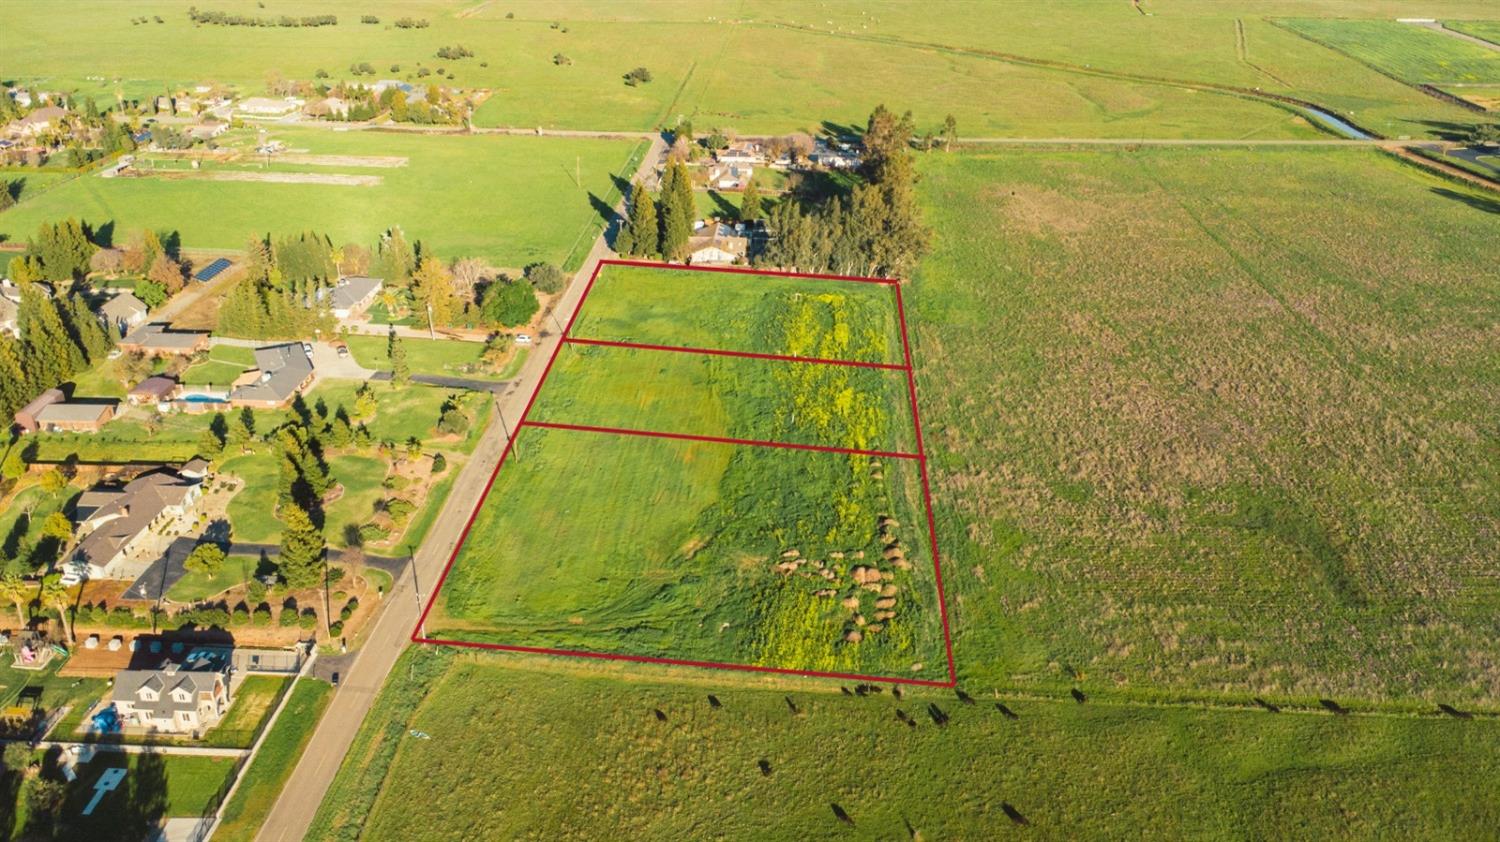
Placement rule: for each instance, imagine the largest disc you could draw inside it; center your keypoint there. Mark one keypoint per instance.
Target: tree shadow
(1483, 203)
(1449, 130)
(723, 208)
(841, 131)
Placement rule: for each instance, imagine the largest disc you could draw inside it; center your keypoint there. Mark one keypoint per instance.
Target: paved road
(298, 802)
(1184, 141)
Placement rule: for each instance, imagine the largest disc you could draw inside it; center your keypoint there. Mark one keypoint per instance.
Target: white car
(307, 348)
(523, 339)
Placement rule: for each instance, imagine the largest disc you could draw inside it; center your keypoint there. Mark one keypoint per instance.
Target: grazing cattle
(838, 813)
(660, 717)
(964, 697)
(1334, 707)
(896, 691)
(1078, 695)
(1007, 712)
(938, 717)
(1013, 814)
(765, 767)
(713, 701)
(1267, 705)
(1455, 712)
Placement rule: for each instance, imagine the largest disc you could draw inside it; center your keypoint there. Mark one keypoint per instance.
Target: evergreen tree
(86, 329)
(400, 372)
(950, 133)
(677, 211)
(750, 202)
(300, 561)
(63, 249)
(509, 304)
(640, 233)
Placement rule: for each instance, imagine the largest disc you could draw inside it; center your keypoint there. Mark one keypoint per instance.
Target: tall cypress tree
(676, 211)
(300, 561)
(750, 202)
(640, 234)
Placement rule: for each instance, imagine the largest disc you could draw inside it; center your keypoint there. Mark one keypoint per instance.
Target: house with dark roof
(26, 416)
(157, 339)
(153, 390)
(175, 698)
(115, 521)
(281, 372)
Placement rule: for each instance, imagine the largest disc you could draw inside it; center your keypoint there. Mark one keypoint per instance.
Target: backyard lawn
(446, 357)
(278, 753)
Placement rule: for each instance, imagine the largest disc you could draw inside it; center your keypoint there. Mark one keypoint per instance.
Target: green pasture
(1410, 53)
(1489, 30)
(738, 312)
(737, 397)
(223, 365)
(752, 768)
(1190, 437)
(509, 200)
(445, 357)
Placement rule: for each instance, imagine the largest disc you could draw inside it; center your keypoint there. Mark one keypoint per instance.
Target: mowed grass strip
(278, 753)
(752, 769)
(730, 311)
(668, 548)
(728, 397)
(1411, 53)
(1193, 429)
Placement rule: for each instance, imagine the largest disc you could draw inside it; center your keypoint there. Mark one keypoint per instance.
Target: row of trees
(226, 19)
(276, 301)
(61, 337)
(660, 226)
(875, 230)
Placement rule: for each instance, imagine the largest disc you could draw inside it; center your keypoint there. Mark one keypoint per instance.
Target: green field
(1489, 30)
(273, 763)
(509, 200)
(712, 551)
(743, 398)
(224, 365)
(1410, 53)
(446, 357)
(1090, 771)
(1077, 68)
(1231, 437)
(730, 311)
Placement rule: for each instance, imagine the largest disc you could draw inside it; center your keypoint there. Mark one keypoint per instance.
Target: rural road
(295, 807)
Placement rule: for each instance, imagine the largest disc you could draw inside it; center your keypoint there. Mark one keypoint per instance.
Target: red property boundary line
(418, 635)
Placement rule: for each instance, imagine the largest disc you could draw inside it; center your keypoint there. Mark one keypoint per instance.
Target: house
(730, 176)
(69, 417)
(26, 416)
(205, 131)
(281, 372)
(156, 339)
(332, 107)
(116, 521)
(745, 153)
(380, 87)
(38, 121)
(152, 390)
(266, 107)
(9, 311)
(352, 296)
(124, 312)
(840, 157)
(716, 242)
(175, 698)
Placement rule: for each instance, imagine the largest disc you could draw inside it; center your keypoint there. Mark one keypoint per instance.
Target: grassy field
(253, 701)
(1489, 30)
(446, 357)
(273, 763)
(735, 312)
(509, 200)
(836, 63)
(225, 363)
(193, 587)
(1093, 771)
(1410, 53)
(1190, 434)
(680, 549)
(741, 398)
(155, 786)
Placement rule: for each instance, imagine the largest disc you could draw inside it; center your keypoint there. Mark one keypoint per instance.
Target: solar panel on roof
(212, 270)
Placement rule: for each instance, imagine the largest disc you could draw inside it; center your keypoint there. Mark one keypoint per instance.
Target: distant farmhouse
(186, 698)
(281, 373)
(116, 521)
(38, 121)
(157, 339)
(261, 107)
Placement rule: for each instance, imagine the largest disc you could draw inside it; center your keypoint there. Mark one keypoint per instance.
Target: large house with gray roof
(176, 698)
(116, 522)
(281, 372)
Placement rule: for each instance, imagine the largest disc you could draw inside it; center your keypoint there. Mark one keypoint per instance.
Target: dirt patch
(378, 161)
(1037, 210)
(336, 179)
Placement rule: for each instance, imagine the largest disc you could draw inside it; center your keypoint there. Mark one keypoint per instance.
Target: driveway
(496, 386)
(328, 363)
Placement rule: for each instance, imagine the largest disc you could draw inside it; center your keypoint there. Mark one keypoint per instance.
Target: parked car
(523, 339)
(343, 351)
(307, 348)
